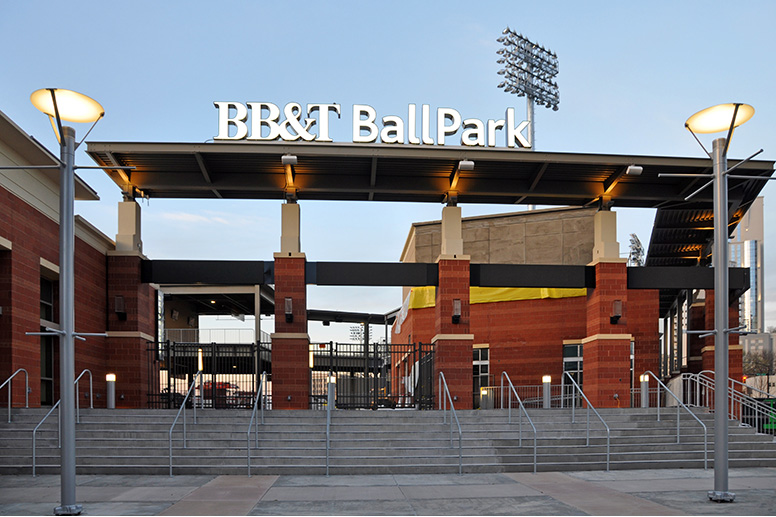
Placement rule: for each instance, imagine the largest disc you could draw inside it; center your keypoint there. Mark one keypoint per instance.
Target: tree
(758, 364)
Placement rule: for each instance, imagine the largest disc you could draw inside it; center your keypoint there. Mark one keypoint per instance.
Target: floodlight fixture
(529, 71)
(60, 104)
(718, 118)
(67, 105)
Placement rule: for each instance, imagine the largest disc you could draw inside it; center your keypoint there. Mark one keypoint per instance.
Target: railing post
(658, 402)
(677, 422)
(588, 425)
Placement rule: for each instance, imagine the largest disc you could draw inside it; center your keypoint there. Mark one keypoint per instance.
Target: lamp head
(718, 118)
(72, 106)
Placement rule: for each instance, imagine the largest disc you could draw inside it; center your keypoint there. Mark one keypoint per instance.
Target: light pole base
(69, 509)
(721, 497)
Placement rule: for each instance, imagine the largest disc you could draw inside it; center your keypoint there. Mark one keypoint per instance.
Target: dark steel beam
(683, 278)
(531, 275)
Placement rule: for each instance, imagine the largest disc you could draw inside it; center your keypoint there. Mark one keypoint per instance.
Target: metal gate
(372, 376)
(229, 377)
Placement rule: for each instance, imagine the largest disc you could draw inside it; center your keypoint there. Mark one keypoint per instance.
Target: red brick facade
(525, 338)
(290, 346)
(735, 351)
(127, 348)
(453, 342)
(35, 236)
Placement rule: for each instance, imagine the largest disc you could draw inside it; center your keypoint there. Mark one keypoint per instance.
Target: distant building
(746, 250)
(758, 343)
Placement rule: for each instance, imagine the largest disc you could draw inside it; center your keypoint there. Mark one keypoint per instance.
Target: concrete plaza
(629, 492)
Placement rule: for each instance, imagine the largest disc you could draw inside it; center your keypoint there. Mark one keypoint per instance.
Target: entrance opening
(373, 376)
(229, 380)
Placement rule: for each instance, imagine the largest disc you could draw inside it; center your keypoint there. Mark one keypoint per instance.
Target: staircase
(135, 441)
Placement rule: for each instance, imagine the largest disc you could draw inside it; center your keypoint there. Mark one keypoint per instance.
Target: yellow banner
(421, 297)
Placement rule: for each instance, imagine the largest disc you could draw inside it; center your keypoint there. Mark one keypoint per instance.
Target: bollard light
(200, 360)
(110, 381)
(644, 390)
(546, 380)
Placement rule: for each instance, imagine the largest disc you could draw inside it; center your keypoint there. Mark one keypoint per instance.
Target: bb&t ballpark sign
(264, 121)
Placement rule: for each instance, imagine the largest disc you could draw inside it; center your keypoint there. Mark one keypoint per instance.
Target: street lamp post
(715, 120)
(70, 106)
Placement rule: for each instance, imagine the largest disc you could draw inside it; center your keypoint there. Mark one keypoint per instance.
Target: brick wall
(127, 354)
(34, 236)
(453, 348)
(526, 337)
(290, 353)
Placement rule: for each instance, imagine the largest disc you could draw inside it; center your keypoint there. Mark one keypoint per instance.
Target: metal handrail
(589, 407)
(34, 432)
(736, 395)
(59, 416)
(521, 406)
(26, 390)
(183, 409)
(443, 382)
(77, 397)
(260, 396)
(682, 405)
(738, 399)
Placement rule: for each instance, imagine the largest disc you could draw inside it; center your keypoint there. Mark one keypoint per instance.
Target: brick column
(606, 348)
(735, 351)
(290, 341)
(694, 343)
(643, 324)
(453, 342)
(131, 325)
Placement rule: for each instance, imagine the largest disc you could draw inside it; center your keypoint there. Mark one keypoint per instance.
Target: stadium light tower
(529, 71)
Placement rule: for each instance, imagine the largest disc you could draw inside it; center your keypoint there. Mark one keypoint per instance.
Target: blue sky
(630, 75)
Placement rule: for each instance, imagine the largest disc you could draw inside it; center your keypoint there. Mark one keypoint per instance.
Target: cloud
(184, 217)
(214, 218)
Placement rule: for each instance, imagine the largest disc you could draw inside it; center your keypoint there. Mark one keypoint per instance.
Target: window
(572, 361)
(46, 299)
(480, 371)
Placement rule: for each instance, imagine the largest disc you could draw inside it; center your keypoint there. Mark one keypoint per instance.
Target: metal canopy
(382, 172)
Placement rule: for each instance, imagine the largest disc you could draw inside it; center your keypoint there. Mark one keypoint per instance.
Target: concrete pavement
(629, 492)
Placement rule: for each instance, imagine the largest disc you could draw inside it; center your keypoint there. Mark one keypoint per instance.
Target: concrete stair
(129, 441)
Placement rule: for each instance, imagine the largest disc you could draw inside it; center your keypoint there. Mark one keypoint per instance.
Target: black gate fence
(230, 373)
(372, 376)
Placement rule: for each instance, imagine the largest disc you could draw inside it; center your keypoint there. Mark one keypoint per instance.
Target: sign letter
(323, 118)
(425, 125)
(367, 124)
(514, 133)
(258, 121)
(238, 121)
(393, 130)
(444, 114)
(473, 132)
